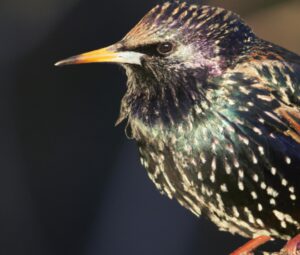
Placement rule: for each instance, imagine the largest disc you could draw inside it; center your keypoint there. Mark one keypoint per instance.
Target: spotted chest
(234, 154)
(214, 168)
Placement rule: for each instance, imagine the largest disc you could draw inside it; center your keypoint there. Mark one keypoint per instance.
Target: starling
(215, 111)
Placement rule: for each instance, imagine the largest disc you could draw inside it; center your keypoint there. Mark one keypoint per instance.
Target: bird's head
(175, 45)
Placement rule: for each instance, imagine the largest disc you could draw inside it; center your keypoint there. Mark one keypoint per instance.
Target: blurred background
(71, 183)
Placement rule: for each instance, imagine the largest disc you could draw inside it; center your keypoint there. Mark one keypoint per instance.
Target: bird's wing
(260, 103)
(276, 71)
(282, 77)
(292, 117)
(291, 60)
(291, 113)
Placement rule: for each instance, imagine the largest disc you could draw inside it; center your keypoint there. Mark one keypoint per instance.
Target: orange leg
(247, 248)
(293, 246)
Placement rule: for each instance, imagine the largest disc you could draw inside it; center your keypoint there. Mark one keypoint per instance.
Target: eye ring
(165, 48)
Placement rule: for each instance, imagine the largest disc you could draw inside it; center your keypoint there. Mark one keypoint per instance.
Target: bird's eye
(165, 48)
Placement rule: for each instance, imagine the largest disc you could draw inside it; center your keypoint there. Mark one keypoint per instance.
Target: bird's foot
(250, 246)
(292, 247)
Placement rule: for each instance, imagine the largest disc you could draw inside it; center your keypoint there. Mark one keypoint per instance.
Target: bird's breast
(213, 167)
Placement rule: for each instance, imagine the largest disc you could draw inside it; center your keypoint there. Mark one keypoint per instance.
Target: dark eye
(165, 48)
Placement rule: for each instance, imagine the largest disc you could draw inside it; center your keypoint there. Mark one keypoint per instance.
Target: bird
(215, 112)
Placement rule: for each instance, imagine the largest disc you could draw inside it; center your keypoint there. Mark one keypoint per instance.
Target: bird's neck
(164, 104)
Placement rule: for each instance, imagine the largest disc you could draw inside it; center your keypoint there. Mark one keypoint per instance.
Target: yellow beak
(106, 55)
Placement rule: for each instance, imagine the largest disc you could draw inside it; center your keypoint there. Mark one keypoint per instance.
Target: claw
(247, 248)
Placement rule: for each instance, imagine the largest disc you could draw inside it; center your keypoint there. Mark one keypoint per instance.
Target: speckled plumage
(215, 111)
(219, 132)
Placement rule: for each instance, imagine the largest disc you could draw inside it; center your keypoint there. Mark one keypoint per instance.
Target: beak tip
(68, 61)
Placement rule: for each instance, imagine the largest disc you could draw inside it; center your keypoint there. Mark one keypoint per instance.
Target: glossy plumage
(224, 138)
(216, 115)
